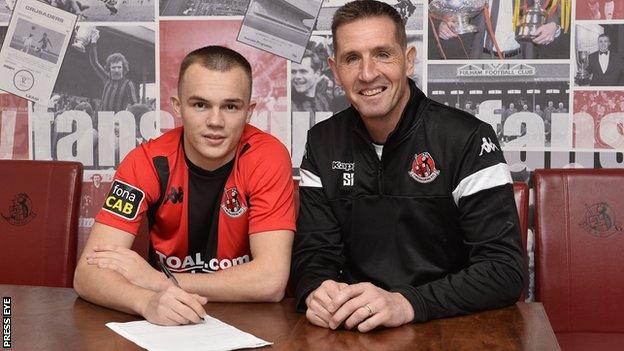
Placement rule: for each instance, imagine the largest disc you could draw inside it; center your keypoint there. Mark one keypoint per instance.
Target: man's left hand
(129, 264)
(367, 306)
(545, 34)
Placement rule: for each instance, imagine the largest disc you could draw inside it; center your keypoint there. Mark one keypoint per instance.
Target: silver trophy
(458, 11)
(582, 68)
(533, 18)
(83, 36)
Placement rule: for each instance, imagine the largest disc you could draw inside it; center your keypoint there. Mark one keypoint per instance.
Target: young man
(407, 210)
(218, 194)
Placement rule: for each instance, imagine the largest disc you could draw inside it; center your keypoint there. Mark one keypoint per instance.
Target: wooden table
(56, 319)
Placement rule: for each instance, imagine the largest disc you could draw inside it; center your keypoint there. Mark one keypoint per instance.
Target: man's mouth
(372, 92)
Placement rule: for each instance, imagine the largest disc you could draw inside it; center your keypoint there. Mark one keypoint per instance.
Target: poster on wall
(281, 27)
(178, 38)
(13, 127)
(598, 54)
(499, 34)
(103, 102)
(599, 120)
(526, 104)
(203, 7)
(95, 187)
(33, 49)
(599, 10)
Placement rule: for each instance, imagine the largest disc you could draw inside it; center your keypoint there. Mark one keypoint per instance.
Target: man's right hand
(320, 303)
(173, 306)
(447, 30)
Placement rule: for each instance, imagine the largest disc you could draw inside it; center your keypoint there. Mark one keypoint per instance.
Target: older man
(407, 210)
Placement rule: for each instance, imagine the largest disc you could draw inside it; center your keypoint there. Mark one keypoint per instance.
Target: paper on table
(212, 335)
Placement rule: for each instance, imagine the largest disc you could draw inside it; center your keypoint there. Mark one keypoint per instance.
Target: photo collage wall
(557, 103)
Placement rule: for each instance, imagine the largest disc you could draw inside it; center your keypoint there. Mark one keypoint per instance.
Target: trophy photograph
(82, 37)
(582, 64)
(458, 11)
(532, 19)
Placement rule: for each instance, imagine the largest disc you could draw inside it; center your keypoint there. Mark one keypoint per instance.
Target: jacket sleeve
(495, 274)
(317, 247)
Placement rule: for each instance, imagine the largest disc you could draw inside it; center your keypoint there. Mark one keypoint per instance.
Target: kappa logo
(175, 195)
(231, 204)
(487, 146)
(20, 211)
(124, 200)
(423, 168)
(348, 176)
(343, 166)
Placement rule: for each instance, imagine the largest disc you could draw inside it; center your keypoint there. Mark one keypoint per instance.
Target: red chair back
(521, 195)
(39, 204)
(579, 254)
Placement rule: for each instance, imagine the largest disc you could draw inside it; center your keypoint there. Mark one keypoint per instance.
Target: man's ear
(177, 106)
(332, 65)
(410, 56)
(250, 111)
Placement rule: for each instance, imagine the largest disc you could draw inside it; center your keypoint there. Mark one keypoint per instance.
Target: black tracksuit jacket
(434, 219)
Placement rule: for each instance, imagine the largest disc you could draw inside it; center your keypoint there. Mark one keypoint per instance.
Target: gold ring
(370, 311)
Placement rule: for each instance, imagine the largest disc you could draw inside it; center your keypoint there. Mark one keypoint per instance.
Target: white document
(212, 335)
(33, 49)
(281, 27)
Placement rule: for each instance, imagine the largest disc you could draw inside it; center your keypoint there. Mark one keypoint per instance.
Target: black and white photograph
(539, 30)
(281, 27)
(412, 12)
(37, 40)
(108, 10)
(203, 7)
(599, 54)
(315, 95)
(526, 104)
(6, 7)
(103, 103)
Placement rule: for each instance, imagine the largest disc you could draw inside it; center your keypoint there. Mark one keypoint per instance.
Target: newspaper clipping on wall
(33, 49)
(281, 27)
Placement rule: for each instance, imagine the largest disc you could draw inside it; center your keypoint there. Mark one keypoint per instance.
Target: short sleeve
(134, 188)
(271, 188)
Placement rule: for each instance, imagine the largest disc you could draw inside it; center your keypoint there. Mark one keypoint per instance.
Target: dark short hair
(117, 57)
(315, 61)
(215, 58)
(603, 35)
(361, 9)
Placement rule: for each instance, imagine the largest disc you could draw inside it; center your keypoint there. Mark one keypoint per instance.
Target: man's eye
(351, 59)
(231, 107)
(383, 55)
(199, 105)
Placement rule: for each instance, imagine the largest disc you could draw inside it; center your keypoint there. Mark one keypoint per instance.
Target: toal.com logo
(199, 264)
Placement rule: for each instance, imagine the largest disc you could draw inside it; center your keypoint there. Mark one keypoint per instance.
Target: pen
(170, 276)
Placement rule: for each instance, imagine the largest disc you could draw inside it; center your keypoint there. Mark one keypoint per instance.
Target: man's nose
(368, 70)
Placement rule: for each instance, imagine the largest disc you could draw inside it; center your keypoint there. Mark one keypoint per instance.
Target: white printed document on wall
(33, 49)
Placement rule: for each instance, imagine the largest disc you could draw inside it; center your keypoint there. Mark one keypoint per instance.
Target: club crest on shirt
(423, 168)
(231, 204)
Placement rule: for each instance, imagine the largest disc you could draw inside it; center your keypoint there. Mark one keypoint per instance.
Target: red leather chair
(521, 195)
(579, 255)
(39, 204)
